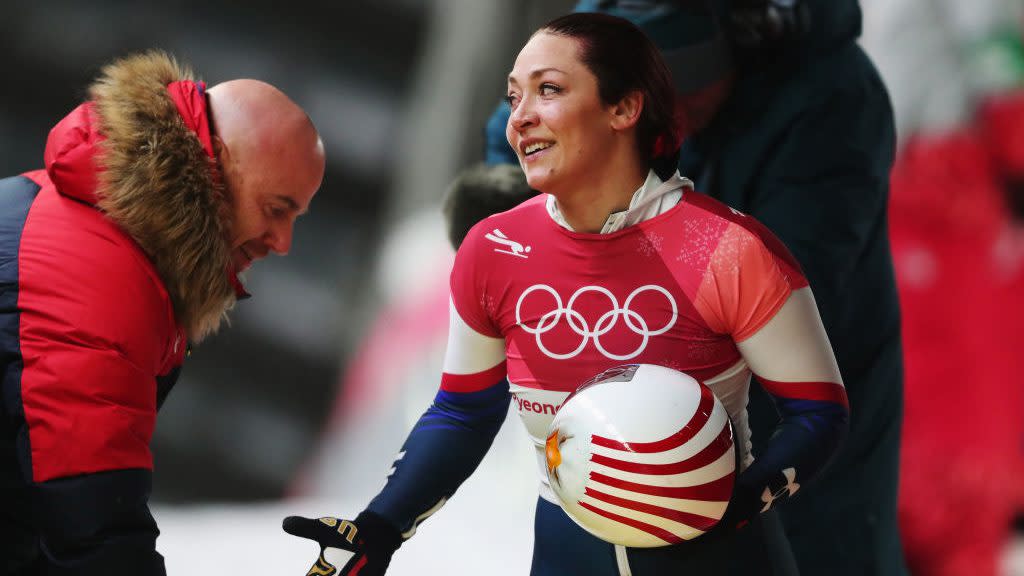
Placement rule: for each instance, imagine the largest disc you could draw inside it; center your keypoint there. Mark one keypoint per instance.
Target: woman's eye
(512, 99)
(549, 89)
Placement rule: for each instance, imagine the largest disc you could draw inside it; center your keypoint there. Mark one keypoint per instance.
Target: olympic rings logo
(632, 319)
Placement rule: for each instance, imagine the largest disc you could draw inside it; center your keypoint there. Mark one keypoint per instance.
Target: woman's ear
(626, 113)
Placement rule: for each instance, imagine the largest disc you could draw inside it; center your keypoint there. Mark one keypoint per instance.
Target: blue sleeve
(498, 150)
(443, 449)
(803, 443)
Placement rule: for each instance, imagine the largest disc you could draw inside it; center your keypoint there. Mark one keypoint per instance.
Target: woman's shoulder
(743, 229)
(700, 205)
(523, 217)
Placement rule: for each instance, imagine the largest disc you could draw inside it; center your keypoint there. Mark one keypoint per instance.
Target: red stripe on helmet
(688, 518)
(688, 431)
(715, 491)
(642, 526)
(713, 451)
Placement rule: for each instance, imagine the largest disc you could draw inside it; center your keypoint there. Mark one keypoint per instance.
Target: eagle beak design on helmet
(552, 455)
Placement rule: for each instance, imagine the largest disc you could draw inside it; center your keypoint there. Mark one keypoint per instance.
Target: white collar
(654, 197)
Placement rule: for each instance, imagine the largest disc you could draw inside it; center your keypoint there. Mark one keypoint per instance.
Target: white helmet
(642, 456)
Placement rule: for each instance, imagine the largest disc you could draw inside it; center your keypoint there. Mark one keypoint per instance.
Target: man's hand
(371, 539)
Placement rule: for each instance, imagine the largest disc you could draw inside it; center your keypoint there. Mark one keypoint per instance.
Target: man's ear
(626, 112)
(223, 156)
(221, 152)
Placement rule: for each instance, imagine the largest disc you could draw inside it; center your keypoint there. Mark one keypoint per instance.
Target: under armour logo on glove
(784, 486)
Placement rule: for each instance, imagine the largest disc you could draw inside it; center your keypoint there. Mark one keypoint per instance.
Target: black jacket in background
(805, 144)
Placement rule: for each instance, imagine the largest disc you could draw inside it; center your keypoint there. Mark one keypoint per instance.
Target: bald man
(114, 259)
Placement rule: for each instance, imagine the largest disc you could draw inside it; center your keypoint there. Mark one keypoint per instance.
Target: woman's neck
(588, 204)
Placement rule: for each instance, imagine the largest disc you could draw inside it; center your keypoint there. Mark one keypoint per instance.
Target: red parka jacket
(112, 259)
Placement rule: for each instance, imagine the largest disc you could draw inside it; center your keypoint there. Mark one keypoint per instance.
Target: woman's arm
(792, 358)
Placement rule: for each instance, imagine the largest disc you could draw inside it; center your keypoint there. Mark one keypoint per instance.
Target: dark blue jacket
(805, 144)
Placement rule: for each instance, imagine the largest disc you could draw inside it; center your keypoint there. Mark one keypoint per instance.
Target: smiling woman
(537, 295)
(592, 114)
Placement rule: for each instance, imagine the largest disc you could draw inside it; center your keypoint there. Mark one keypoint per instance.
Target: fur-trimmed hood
(129, 152)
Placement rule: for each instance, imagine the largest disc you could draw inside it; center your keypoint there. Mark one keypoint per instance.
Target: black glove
(371, 539)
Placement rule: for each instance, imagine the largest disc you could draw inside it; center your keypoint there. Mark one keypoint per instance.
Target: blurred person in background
(479, 192)
(784, 117)
(804, 143)
(156, 194)
(592, 121)
(959, 254)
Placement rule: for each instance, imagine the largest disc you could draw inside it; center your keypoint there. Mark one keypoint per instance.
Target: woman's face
(559, 128)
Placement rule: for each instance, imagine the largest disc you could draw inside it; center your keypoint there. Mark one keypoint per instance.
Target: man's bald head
(264, 130)
(272, 160)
